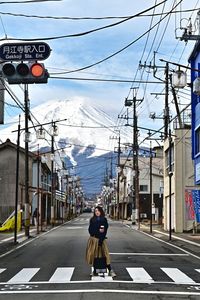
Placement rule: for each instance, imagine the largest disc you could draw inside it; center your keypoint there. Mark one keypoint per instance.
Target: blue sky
(73, 53)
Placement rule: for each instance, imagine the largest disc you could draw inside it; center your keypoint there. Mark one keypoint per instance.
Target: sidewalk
(186, 237)
(7, 238)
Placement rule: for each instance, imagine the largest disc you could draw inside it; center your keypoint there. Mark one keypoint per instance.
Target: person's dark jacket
(94, 228)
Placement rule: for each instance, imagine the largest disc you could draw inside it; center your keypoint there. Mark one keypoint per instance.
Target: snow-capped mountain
(84, 135)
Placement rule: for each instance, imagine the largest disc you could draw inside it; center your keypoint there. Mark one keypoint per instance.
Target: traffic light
(22, 72)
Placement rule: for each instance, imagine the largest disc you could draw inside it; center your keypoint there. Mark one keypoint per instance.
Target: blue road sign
(24, 51)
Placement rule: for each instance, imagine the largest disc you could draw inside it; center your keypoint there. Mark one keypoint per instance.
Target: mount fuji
(84, 136)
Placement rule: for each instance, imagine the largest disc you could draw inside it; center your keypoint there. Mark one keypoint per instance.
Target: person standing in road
(97, 242)
(35, 217)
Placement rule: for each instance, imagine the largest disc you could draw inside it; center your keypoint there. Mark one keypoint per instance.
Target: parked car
(87, 209)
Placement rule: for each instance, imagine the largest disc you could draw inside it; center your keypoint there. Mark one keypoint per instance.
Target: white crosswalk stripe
(62, 275)
(139, 275)
(104, 278)
(24, 275)
(177, 276)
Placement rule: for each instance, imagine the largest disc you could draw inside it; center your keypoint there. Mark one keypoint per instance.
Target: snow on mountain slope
(86, 125)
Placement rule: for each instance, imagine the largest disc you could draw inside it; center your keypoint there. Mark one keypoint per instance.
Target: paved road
(52, 266)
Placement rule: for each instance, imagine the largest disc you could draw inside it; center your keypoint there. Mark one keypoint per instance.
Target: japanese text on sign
(26, 51)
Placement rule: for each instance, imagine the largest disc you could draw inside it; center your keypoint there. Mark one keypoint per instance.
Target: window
(167, 159)
(197, 141)
(143, 188)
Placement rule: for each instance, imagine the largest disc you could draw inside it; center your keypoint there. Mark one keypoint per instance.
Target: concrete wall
(183, 176)
(8, 180)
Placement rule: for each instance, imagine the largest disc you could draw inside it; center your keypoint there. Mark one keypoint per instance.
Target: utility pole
(170, 185)
(118, 173)
(17, 183)
(136, 203)
(151, 189)
(166, 111)
(26, 205)
(52, 176)
(38, 188)
(135, 164)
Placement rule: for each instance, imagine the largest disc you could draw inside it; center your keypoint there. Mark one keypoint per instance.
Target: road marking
(24, 275)
(177, 276)
(150, 254)
(77, 227)
(139, 275)
(169, 244)
(91, 282)
(62, 275)
(18, 235)
(179, 238)
(104, 278)
(102, 291)
(30, 241)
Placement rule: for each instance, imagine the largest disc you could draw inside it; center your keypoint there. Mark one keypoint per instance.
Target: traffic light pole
(26, 205)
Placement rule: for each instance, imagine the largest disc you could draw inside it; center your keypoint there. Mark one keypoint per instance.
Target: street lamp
(40, 133)
(179, 79)
(27, 137)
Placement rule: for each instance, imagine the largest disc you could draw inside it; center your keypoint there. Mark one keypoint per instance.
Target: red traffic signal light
(37, 70)
(28, 73)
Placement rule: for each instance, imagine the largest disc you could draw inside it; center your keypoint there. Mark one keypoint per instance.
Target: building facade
(182, 181)
(126, 192)
(8, 156)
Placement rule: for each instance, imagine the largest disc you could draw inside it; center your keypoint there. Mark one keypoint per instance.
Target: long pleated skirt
(93, 250)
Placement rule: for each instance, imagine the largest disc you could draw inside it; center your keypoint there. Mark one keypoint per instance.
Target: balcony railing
(186, 117)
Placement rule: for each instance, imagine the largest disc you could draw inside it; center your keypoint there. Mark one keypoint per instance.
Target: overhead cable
(86, 32)
(122, 49)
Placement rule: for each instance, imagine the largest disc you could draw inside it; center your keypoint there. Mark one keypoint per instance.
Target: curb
(165, 234)
(25, 240)
(178, 238)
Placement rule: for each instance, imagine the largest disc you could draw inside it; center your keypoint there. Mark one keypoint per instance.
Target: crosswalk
(81, 220)
(134, 275)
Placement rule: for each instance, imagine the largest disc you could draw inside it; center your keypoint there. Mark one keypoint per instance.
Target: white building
(182, 181)
(126, 186)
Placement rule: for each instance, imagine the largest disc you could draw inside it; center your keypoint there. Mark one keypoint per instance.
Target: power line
(89, 18)
(125, 47)
(103, 80)
(27, 1)
(86, 32)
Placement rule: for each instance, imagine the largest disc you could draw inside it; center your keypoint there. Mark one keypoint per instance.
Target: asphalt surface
(52, 266)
